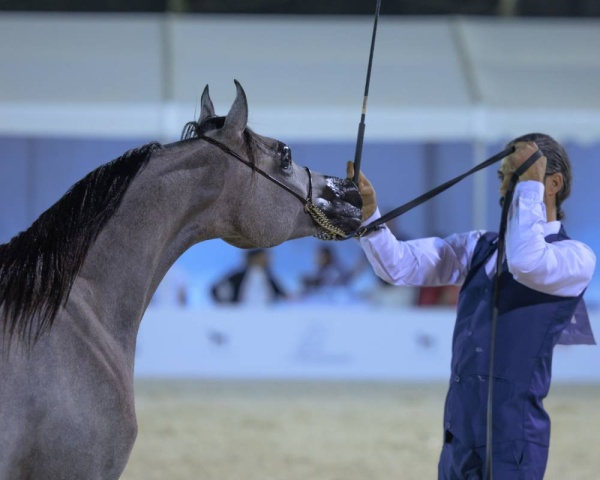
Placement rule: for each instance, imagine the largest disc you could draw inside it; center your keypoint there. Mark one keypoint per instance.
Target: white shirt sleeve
(423, 262)
(562, 268)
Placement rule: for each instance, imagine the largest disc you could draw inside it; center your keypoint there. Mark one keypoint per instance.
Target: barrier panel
(359, 343)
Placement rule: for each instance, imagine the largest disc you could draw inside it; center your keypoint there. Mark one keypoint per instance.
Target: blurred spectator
(429, 296)
(252, 284)
(329, 272)
(442, 295)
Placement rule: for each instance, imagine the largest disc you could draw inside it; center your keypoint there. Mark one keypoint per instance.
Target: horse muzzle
(342, 203)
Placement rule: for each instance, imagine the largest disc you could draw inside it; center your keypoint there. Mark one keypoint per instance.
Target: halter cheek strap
(229, 151)
(326, 230)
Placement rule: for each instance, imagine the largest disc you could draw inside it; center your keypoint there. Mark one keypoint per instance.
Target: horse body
(66, 375)
(68, 406)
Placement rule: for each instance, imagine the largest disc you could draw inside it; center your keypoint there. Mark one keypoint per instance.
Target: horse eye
(286, 157)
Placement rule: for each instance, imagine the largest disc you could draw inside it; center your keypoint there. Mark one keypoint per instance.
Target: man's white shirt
(561, 268)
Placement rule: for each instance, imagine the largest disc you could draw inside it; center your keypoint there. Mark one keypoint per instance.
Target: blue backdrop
(36, 172)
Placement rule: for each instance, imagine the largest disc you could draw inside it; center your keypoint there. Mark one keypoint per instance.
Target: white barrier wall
(343, 343)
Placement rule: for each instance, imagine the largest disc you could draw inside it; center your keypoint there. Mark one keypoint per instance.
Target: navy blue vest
(530, 324)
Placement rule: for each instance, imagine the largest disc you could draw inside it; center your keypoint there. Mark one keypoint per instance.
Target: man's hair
(558, 162)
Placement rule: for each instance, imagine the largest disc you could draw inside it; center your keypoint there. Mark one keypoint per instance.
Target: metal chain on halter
(328, 231)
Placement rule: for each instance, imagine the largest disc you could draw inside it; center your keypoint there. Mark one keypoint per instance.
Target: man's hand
(366, 190)
(524, 150)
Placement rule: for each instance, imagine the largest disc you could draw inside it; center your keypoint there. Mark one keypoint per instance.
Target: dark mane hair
(39, 265)
(197, 129)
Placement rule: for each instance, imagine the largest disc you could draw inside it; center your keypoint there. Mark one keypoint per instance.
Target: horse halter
(325, 229)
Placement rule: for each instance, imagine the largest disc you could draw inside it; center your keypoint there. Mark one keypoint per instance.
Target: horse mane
(39, 265)
(197, 129)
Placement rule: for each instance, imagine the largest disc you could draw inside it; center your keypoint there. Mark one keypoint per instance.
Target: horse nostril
(355, 199)
(341, 185)
(351, 194)
(344, 190)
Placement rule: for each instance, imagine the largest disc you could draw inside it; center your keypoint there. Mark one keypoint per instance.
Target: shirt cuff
(372, 218)
(530, 189)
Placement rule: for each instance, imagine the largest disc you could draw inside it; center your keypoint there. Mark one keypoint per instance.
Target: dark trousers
(515, 460)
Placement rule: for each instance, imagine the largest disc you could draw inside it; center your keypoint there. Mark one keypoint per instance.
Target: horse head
(265, 213)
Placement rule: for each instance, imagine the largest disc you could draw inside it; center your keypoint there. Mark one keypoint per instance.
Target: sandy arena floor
(205, 430)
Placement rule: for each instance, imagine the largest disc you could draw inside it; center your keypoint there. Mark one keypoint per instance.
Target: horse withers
(75, 285)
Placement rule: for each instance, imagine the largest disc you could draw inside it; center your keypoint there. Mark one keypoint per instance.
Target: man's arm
(563, 268)
(427, 261)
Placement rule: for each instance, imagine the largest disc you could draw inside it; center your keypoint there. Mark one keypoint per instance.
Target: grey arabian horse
(75, 285)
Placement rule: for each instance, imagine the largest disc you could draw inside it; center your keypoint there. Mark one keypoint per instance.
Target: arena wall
(320, 343)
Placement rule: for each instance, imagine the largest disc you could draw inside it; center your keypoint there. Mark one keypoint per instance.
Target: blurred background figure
(442, 295)
(329, 272)
(332, 281)
(252, 284)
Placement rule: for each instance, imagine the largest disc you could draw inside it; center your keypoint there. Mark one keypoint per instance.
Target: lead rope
(489, 475)
(331, 232)
(376, 224)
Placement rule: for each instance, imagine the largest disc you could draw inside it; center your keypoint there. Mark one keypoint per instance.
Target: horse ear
(237, 118)
(207, 108)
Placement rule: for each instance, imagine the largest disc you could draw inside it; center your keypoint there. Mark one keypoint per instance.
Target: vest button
(447, 425)
(479, 349)
(469, 333)
(456, 378)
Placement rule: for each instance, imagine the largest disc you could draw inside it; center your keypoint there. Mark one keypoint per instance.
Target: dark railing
(538, 8)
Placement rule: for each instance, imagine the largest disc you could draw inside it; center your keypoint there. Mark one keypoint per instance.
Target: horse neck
(167, 208)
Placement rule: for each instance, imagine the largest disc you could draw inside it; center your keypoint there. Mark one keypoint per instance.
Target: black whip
(361, 126)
